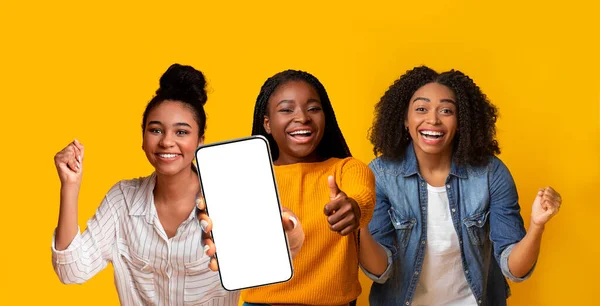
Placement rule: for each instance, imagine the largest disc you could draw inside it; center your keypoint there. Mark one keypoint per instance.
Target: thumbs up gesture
(343, 213)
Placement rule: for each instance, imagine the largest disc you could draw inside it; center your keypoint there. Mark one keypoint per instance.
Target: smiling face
(432, 120)
(171, 136)
(296, 120)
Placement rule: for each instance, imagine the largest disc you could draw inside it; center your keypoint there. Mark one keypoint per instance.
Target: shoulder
(350, 163)
(381, 165)
(128, 193)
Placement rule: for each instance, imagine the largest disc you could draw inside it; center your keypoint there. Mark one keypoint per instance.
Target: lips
(168, 156)
(301, 135)
(432, 135)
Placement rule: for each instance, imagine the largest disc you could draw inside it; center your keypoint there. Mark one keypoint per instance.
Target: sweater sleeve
(358, 182)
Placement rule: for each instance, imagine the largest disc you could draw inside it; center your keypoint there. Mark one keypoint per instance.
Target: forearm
(67, 218)
(372, 255)
(525, 253)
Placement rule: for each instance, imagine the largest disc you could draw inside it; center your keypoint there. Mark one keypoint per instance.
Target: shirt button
(479, 301)
(422, 184)
(416, 272)
(479, 221)
(422, 241)
(453, 209)
(407, 303)
(423, 207)
(448, 186)
(467, 271)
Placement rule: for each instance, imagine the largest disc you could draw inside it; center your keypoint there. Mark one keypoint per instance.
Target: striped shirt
(150, 268)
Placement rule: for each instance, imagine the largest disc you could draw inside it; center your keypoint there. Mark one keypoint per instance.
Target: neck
(171, 188)
(440, 163)
(283, 160)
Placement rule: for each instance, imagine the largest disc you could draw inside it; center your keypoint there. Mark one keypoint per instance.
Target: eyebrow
(176, 124)
(291, 101)
(427, 100)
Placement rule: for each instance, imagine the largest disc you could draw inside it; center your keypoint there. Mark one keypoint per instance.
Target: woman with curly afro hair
(447, 228)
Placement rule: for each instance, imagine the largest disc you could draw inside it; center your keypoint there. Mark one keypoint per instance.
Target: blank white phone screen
(241, 197)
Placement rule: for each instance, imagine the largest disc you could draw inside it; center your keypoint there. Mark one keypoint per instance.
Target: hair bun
(184, 83)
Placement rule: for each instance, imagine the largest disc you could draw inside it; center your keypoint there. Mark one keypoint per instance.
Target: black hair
(186, 85)
(332, 144)
(475, 140)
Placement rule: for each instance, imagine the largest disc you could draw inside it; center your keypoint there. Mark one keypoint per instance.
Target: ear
(267, 124)
(200, 141)
(405, 123)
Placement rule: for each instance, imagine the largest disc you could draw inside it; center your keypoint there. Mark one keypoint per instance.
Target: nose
(433, 118)
(166, 141)
(301, 117)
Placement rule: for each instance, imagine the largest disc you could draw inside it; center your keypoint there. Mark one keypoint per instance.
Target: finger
(333, 187)
(80, 150)
(553, 203)
(333, 206)
(550, 201)
(74, 157)
(289, 221)
(205, 222)
(540, 192)
(339, 214)
(213, 264)
(209, 247)
(64, 167)
(78, 145)
(73, 163)
(550, 212)
(348, 221)
(553, 196)
(349, 229)
(200, 203)
(550, 191)
(538, 198)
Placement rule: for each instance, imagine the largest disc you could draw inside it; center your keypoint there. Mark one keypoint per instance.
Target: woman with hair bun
(150, 228)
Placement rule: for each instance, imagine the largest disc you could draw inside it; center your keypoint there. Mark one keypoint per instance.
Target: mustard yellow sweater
(326, 269)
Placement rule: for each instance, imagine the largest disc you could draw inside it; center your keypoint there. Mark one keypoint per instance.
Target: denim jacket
(485, 213)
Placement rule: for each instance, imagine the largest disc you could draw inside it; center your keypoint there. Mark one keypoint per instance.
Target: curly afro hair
(474, 142)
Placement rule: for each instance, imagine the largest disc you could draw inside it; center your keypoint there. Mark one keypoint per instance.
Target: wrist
(536, 228)
(69, 189)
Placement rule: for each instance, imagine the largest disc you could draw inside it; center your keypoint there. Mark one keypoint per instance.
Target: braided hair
(332, 144)
(475, 140)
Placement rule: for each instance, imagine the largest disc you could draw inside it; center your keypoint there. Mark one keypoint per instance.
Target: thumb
(538, 198)
(333, 187)
(289, 221)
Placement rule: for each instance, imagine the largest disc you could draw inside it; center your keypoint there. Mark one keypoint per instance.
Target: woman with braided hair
(331, 193)
(447, 228)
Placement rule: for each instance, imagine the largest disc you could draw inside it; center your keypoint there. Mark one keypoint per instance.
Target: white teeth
(167, 155)
(301, 132)
(432, 133)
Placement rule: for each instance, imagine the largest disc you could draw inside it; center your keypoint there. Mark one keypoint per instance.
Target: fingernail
(204, 225)
(294, 221)
(79, 158)
(206, 247)
(197, 201)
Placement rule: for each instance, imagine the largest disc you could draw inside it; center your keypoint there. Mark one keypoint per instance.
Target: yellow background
(86, 70)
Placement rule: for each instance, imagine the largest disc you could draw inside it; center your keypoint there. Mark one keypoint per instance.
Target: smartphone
(242, 200)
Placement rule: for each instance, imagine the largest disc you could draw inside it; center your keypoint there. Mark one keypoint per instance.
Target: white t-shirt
(442, 281)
